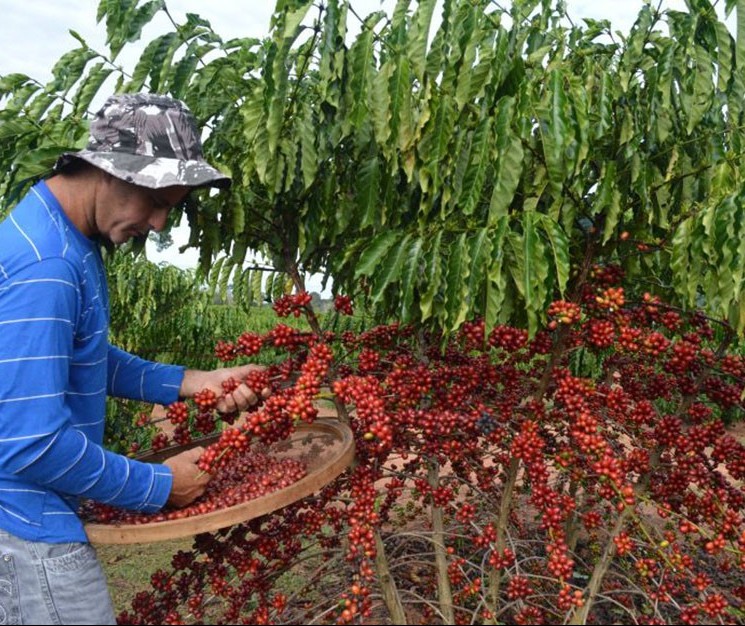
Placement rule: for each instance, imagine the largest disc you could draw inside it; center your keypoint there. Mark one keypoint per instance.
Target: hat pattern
(149, 140)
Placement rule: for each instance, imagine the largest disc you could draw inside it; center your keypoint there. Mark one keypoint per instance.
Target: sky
(35, 33)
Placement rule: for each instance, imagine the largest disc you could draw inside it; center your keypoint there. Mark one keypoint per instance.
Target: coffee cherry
(177, 413)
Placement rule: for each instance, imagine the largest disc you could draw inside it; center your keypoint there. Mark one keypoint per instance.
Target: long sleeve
(137, 379)
(53, 380)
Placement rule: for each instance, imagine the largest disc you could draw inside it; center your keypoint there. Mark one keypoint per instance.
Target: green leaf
(432, 275)
(601, 109)
(309, 154)
(124, 21)
(496, 285)
(613, 215)
(457, 299)
(482, 74)
(389, 269)
(90, 86)
(607, 197)
(559, 242)
(739, 85)
(238, 223)
(41, 107)
(381, 104)
(725, 56)
(256, 280)
(332, 52)
(374, 253)
(462, 155)
(368, 192)
(78, 37)
(276, 99)
(239, 289)
(144, 66)
(362, 56)
(699, 99)
(468, 43)
(162, 62)
(11, 83)
(436, 138)
(225, 273)
(509, 162)
(289, 26)
(417, 48)
(530, 239)
(16, 127)
(480, 254)
(412, 270)
(529, 268)
(214, 277)
(38, 162)
(579, 108)
(279, 286)
(727, 243)
(478, 166)
(183, 73)
(738, 278)
(69, 69)
(402, 120)
(553, 126)
(255, 134)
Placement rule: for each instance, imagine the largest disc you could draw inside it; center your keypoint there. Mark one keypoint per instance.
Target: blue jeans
(52, 583)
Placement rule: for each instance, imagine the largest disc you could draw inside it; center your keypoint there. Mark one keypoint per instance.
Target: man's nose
(158, 219)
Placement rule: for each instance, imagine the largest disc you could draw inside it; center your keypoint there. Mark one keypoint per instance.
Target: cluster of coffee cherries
(343, 304)
(595, 450)
(240, 473)
(244, 477)
(280, 413)
(292, 304)
(562, 312)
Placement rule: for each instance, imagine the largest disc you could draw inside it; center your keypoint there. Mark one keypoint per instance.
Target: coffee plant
(443, 167)
(497, 478)
(545, 220)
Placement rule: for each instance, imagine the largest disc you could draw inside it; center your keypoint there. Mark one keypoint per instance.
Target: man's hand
(239, 399)
(188, 481)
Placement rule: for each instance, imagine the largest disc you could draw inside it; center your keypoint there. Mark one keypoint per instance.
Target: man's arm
(134, 378)
(40, 442)
(137, 379)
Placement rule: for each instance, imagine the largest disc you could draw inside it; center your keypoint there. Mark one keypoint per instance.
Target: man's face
(124, 210)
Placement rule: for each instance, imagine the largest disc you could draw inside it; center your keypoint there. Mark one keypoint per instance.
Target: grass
(128, 567)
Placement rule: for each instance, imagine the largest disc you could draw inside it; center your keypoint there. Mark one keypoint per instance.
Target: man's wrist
(190, 383)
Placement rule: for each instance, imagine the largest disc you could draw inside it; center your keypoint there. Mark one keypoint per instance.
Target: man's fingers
(245, 396)
(188, 482)
(241, 398)
(202, 478)
(191, 455)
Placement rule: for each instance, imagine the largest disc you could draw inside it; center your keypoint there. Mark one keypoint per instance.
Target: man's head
(143, 157)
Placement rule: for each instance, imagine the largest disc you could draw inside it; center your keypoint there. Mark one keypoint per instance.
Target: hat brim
(150, 172)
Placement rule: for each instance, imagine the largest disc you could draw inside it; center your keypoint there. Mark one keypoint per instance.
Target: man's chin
(138, 241)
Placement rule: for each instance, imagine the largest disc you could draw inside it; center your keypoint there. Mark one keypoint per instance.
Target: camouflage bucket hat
(148, 140)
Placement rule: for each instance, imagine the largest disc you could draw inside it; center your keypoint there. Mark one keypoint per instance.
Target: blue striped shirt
(56, 368)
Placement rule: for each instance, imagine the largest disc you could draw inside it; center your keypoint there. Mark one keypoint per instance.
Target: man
(56, 366)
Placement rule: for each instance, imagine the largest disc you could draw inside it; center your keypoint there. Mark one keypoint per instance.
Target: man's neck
(76, 197)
